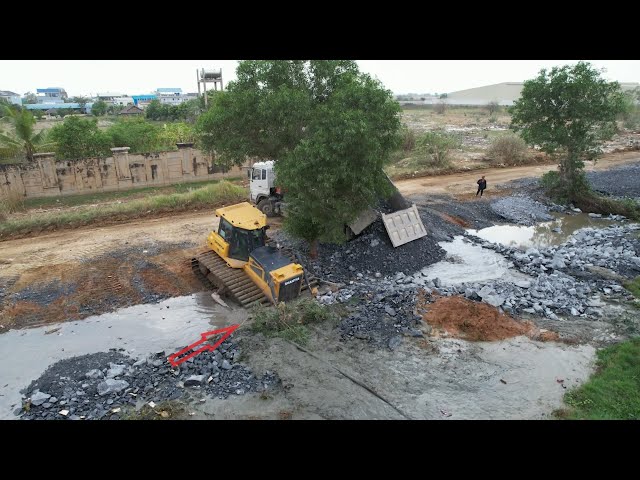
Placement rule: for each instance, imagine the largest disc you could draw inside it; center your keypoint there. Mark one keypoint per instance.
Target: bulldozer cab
(241, 241)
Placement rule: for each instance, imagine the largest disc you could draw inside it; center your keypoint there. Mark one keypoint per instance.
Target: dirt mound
(475, 321)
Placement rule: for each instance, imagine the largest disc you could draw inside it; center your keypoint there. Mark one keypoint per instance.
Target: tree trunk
(313, 249)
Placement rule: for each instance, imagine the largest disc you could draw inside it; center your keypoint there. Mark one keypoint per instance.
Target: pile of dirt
(474, 321)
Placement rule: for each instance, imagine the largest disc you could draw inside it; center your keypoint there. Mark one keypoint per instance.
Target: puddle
(140, 330)
(466, 262)
(541, 235)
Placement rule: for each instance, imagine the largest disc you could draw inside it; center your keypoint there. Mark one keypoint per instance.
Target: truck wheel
(266, 207)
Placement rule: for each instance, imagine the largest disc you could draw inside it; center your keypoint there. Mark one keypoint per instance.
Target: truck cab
(263, 191)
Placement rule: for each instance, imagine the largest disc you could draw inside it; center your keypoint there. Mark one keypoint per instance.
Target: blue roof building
(51, 95)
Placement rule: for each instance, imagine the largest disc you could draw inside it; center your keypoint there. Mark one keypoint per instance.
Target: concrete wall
(47, 176)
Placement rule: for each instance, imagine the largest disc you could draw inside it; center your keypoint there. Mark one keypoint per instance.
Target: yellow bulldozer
(241, 264)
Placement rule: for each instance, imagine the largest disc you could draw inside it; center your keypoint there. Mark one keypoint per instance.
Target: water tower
(209, 76)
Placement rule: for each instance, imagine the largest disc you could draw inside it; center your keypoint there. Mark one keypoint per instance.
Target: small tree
(440, 108)
(99, 108)
(81, 101)
(78, 137)
(493, 107)
(569, 112)
(138, 134)
(24, 139)
(435, 148)
(30, 98)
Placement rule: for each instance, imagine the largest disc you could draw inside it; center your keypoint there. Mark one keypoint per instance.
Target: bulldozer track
(214, 273)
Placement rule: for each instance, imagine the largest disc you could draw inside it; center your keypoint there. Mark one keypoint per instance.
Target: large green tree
(23, 140)
(78, 137)
(330, 127)
(568, 112)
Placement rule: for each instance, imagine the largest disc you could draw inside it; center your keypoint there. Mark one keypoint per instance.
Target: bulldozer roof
(243, 215)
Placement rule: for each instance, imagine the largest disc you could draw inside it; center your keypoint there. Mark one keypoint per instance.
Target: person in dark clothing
(482, 184)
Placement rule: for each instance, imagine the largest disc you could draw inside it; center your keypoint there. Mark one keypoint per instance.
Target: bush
(440, 108)
(493, 107)
(563, 193)
(290, 320)
(408, 140)
(12, 202)
(436, 146)
(508, 149)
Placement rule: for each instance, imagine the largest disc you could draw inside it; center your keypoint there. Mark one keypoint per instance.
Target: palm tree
(23, 139)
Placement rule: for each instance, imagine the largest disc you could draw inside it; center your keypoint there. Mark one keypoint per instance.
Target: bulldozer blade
(404, 226)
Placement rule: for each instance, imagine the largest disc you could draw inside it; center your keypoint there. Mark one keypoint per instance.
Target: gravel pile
(567, 279)
(370, 253)
(521, 209)
(619, 182)
(383, 317)
(98, 386)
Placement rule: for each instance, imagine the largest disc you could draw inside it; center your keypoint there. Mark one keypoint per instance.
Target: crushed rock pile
(97, 386)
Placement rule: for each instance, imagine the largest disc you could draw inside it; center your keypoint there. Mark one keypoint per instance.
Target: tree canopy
(568, 112)
(329, 127)
(24, 140)
(77, 137)
(99, 108)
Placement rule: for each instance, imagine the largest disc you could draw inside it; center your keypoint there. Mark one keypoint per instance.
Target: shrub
(408, 140)
(508, 149)
(493, 107)
(440, 108)
(290, 320)
(436, 146)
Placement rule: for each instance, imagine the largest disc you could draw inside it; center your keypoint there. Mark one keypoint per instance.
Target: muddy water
(140, 330)
(466, 262)
(544, 234)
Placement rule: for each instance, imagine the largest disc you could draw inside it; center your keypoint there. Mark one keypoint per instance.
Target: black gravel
(370, 252)
(148, 379)
(623, 181)
(382, 317)
(521, 209)
(149, 248)
(43, 294)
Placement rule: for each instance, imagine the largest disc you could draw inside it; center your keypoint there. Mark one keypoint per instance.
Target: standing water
(544, 234)
(140, 330)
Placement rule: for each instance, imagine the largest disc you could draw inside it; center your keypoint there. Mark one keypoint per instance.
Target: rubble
(93, 397)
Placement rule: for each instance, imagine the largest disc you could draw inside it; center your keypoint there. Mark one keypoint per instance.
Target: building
(142, 101)
(504, 93)
(45, 107)
(113, 98)
(172, 96)
(10, 97)
(51, 95)
(131, 110)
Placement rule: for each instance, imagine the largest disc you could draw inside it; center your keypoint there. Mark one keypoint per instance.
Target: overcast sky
(87, 77)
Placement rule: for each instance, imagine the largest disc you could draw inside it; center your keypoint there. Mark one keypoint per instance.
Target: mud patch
(121, 278)
(455, 220)
(469, 320)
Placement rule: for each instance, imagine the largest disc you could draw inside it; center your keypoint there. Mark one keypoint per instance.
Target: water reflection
(543, 234)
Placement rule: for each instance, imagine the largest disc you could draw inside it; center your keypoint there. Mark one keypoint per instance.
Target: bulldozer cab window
(257, 173)
(225, 230)
(244, 242)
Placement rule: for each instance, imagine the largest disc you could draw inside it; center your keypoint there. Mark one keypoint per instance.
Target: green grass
(634, 287)
(290, 320)
(613, 392)
(100, 197)
(217, 194)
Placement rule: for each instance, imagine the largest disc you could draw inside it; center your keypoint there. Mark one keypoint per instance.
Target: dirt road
(465, 182)
(17, 256)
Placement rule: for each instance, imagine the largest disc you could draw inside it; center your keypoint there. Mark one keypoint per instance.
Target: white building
(10, 97)
(172, 96)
